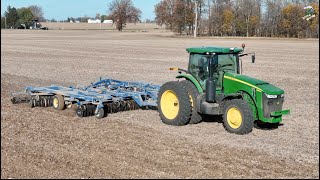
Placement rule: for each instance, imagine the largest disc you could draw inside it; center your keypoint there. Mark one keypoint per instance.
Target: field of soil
(44, 143)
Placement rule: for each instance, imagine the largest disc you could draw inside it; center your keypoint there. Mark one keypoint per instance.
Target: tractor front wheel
(174, 105)
(238, 117)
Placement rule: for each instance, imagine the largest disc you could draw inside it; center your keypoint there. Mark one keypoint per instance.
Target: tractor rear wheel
(174, 105)
(58, 102)
(238, 117)
(193, 94)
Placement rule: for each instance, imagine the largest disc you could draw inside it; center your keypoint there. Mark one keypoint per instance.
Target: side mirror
(253, 57)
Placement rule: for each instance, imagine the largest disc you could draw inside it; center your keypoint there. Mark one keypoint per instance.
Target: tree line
(120, 11)
(13, 17)
(259, 18)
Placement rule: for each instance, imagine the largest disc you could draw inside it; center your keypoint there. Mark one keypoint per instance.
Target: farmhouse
(94, 21)
(108, 21)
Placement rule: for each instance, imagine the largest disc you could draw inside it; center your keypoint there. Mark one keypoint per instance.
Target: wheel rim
(169, 104)
(234, 118)
(99, 113)
(191, 100)
(55, 102)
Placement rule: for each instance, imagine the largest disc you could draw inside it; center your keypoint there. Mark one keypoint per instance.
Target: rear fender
(192, 79)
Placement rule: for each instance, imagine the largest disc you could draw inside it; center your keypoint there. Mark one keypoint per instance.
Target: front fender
(192, 79)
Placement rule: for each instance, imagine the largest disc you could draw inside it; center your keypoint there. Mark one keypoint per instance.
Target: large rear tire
(193, 94)
(174, 105)
(238, 117)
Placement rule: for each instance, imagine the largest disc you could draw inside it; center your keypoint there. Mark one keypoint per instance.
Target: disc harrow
(102, 97)
(41, 101)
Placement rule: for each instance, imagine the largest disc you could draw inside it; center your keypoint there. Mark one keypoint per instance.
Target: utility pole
(196, 19)
(5, 22)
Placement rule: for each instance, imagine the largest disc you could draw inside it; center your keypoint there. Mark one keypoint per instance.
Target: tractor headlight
(282, 95)
(271, 96)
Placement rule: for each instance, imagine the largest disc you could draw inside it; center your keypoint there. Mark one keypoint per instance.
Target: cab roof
(215, 49)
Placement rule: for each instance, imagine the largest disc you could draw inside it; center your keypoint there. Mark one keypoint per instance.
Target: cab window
(198, 67)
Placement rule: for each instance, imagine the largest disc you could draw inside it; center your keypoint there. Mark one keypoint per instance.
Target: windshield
(198, 66)
(227, 62)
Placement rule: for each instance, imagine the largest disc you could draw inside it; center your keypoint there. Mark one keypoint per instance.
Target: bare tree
(275, 18)
(177, 15)
(123, 11)
(164, 11)
(37, 12)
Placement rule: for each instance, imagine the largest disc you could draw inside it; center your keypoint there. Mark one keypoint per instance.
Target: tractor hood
(255, 83)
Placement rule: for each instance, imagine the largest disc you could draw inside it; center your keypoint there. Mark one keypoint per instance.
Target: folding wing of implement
(98, 99)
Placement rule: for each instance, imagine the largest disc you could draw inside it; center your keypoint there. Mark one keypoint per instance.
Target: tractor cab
(221, 60)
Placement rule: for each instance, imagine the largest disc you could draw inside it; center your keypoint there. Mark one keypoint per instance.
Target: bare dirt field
(44, 143)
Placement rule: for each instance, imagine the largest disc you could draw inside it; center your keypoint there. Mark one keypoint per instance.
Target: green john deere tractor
(214, 85)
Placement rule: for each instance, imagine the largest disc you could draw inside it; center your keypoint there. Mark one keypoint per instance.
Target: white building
(94, 21)
(108, 21)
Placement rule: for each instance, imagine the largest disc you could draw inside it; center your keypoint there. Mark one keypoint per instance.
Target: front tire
(238, 117)
(174, 105)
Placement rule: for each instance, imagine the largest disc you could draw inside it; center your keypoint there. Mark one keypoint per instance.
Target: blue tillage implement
(100, 98)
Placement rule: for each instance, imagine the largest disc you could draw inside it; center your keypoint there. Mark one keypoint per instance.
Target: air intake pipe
(211, 83)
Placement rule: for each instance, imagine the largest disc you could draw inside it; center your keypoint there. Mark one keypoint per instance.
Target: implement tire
(100, 114)
(174, 105)
(193, 94)
(238, 117)
(58, 102)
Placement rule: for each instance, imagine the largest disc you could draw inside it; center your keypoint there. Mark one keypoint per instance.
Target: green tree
(11, 16)
(25, 16)
(104, 17)
(53, 20)
(2, 22)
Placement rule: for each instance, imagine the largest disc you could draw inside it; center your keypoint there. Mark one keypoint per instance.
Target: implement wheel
(174, 105)
(238, 117)
(100, 114)
(58, 102)
(193, 94)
